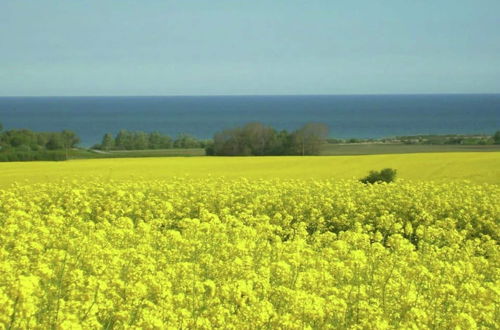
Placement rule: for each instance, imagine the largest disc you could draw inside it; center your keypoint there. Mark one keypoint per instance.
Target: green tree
(232, 142)
(55, 142)
(140, 141)
(70, 138)
(155, 140)
(496, 137)
(108, 142)
(186, 141)
(123, 140)
(258, 138)
(166, 142)
(159, 141)
(22, 137)
(282, 144)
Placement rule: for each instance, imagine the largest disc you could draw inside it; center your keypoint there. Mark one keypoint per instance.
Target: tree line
(252, 139)
(138, 140)
(24, 144)
(257, 139)
(27, 140)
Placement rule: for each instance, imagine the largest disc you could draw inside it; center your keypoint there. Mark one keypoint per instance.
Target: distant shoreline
(348, 116)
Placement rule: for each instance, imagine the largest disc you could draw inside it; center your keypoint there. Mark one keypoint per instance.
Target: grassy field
(93, 154)
(328, 150)
(378, 148)
(478, 167)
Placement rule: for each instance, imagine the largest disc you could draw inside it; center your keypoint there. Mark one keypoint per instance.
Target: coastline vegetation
(27, 145)
(257, 139)
(430, 139)
(253, 139)
(138, 140)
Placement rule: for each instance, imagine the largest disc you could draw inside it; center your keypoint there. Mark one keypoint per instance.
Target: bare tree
(309, 138)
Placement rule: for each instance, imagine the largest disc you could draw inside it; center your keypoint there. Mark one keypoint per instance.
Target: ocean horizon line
(247, 95)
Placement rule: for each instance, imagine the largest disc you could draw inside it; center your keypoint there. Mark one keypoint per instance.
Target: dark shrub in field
(385, 175)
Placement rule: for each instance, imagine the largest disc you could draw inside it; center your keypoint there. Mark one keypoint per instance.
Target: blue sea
(348, 116)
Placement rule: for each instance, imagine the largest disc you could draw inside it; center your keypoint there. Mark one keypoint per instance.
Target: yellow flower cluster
(239, 254)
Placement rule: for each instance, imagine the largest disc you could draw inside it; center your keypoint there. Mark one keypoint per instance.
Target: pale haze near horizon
(102, 47)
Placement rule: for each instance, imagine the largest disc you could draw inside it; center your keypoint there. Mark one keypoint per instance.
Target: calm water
(347, 116)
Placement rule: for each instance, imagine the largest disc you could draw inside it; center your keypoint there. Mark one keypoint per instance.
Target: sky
(254, 47)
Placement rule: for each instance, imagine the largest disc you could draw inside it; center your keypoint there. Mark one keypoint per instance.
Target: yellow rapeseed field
(480, 167)
(240, 243)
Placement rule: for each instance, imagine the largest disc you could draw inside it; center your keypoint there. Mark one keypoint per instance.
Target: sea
(347, 116)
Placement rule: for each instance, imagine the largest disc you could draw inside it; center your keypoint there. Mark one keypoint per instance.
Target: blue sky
(211, 47)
